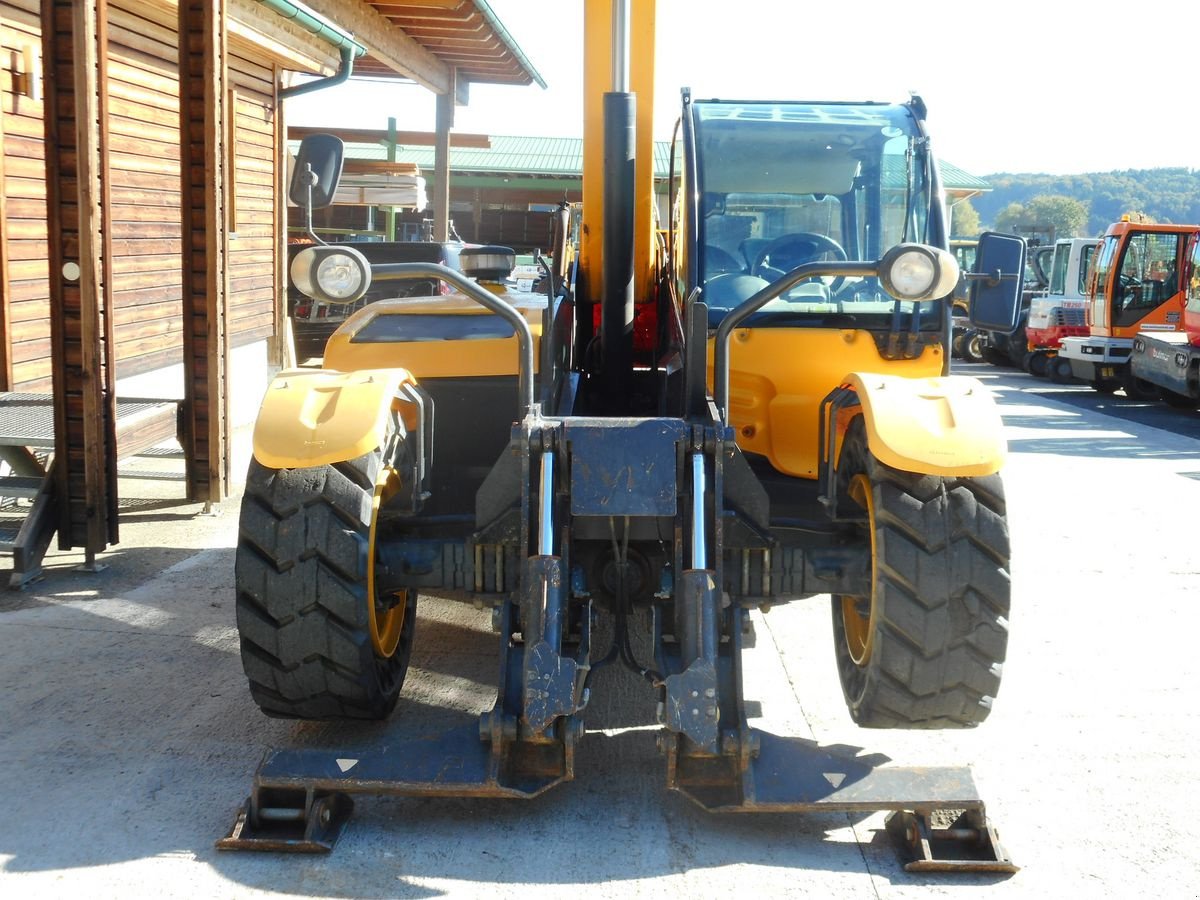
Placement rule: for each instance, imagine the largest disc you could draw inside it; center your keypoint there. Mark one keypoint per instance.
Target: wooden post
(75, 46)
(391, 157)
(202, 130)
(441, 163)
(6, 372)
(283, 346)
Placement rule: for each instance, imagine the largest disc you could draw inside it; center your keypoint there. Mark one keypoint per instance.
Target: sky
(1050, 86)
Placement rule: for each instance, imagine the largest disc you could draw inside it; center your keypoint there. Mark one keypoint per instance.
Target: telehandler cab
(755, 410)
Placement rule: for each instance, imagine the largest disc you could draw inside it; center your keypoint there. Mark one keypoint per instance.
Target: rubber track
(301, 600)
(944, 595)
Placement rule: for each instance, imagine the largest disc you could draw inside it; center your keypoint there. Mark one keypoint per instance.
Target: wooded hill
(1160, 195)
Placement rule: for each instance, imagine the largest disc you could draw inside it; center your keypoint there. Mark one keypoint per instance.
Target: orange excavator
(1171, 360)
(1134, 287)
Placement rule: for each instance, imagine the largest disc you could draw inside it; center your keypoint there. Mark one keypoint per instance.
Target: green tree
(965, 221)
(1162, 195)
(1046, 213)
(1066, 215)
(1010, 218)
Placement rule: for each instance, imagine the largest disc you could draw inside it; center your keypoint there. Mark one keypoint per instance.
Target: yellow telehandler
(755, 408)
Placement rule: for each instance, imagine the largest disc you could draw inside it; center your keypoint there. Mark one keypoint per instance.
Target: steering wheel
(808, 246)
(718, 261)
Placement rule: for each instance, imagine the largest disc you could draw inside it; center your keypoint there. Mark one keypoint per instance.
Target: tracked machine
(1061, 312)
(754, 410)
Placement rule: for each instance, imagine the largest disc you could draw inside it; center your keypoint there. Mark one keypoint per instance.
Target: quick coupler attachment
(933, 844)
(289, 820)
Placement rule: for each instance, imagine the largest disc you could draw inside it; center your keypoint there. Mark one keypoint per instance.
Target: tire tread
(302, 611)
(943, 591)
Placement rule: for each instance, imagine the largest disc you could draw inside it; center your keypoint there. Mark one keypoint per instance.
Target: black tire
(1177, 400)
(309, 633)
(956, 345)
(972, 347)
(1059, 370)
(926, 649)
(1037, 363)
(1138, 388)
(995, 355)
(1018, 345)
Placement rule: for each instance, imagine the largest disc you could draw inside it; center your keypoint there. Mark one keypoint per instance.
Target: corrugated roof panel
(953, 176)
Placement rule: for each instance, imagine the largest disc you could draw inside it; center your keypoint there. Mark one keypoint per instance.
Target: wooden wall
(24, 283)
(143, 118)
(144, 165)
(255, 233)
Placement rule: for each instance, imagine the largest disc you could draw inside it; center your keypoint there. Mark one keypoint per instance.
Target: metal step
(150, 475)
(163, 451)
(10, 527)
(20, 486)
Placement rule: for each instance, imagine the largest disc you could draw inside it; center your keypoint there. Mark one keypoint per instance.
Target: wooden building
(142, 219)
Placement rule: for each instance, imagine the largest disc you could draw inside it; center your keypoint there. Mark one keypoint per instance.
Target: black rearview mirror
(319, 166)
(995, 282)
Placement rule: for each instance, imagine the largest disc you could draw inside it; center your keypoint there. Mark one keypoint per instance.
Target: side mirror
(319, 169)
(995, 295)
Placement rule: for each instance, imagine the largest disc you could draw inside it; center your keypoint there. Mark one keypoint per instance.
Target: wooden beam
(378, 167)
(380, 135)
(280, 39)
(6, 371)
(107, 305)
(75, 46)
(203, 83)
(387, 43)
(441, 166)
(281, 347)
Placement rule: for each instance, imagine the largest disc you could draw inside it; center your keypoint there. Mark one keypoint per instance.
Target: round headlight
(332, 274)
(918, 272)
(340, 276)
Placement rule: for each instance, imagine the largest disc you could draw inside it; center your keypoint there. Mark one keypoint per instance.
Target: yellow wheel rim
(386, 624)
(860, 628)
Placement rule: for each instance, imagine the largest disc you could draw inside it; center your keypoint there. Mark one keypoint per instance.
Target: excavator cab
(1134, 286)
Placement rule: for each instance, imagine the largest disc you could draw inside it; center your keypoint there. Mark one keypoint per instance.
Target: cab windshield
(781, 184)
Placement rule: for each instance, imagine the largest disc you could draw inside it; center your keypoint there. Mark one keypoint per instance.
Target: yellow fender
(948, 425)
(314, 417)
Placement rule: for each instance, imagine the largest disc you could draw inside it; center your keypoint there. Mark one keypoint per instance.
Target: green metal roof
(563, 157)
(956, 179)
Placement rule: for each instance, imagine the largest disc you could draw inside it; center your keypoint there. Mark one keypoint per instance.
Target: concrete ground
(128, 738)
